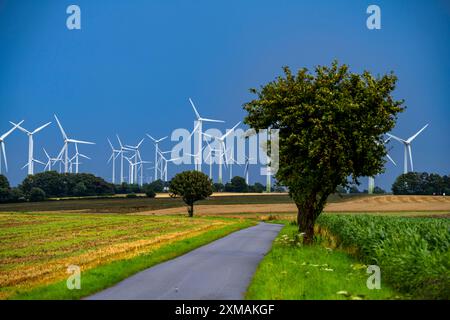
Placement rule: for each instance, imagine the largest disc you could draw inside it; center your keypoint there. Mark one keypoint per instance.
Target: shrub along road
(220, 270)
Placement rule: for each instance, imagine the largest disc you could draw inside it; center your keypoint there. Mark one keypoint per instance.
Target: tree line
(421, 183)
(52, 184)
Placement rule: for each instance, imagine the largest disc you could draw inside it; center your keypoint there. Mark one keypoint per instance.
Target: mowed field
(36, 249)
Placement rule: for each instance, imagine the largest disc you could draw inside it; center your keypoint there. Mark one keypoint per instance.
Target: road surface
(219, 270)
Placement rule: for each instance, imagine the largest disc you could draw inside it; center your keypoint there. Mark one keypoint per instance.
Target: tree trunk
(191, 210)
(305, 219)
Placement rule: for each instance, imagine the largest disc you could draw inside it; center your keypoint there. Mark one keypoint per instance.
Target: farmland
(113, 238)
(36, 249)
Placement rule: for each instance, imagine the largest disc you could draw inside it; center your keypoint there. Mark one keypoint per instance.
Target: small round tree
(191, 186)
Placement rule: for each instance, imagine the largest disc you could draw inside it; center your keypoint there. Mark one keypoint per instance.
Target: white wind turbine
(164, 162)
(67, 141)
(76, 158)
(48, 165)
(246, 170)
(2, 145)
(198, 124)
(137, 157)
(221, 141)
(407, 144)
(156, 142)
(231, 161)
(122, 157)
(217, 152)
(31, 159)
(131, 169)
(114, 155)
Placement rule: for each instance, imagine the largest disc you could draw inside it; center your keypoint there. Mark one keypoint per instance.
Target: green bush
(149, 192)
(37, 194)
(413, 253)
(131, 195)
(5, 195)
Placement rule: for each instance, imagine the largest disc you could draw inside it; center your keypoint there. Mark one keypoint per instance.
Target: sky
(133, 65)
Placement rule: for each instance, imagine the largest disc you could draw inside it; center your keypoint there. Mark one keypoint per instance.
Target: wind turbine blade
(418, 132)
(11, 130)
(24, 166)
(139, 144)
(46, 154)
(120, 142)
(83, 156)
(110, 144)
(61, 128)
(20, 128)
(230, 131)
(41, 127)
(396, 138)
(392, 160)
(110, 158)
(154, 140)
(4, 155)
(194, 131)
(162, 139)
(40, 162)
(211, 120)
(195, 109)
(79, 141)
(385, 141)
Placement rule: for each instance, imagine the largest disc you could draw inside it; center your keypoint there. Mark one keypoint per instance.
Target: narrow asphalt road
(219, 270)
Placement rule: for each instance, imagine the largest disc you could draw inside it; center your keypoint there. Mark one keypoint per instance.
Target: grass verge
(106, 275)
(294, 272)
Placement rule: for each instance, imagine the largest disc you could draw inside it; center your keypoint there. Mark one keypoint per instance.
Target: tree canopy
(331, 126)
(191, 186)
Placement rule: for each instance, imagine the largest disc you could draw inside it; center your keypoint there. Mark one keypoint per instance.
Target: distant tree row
(421, 183)
(52, 184)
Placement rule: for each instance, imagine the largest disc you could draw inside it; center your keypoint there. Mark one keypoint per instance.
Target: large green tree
(191, 186)
(331, 126)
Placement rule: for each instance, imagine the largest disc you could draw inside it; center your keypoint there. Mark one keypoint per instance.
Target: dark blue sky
(134, 64)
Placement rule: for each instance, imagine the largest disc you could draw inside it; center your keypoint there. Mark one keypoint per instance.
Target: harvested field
(36, 249)
(384, 203)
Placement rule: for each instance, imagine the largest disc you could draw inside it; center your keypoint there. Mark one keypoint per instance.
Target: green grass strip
(294, 272)
(104, 276)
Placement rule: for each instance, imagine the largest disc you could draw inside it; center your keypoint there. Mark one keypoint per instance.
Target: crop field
(413, 256)
(36, 249)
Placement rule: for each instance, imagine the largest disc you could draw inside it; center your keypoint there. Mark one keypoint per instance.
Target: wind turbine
(114, 155)
(31, 159)
(221, 141)
(407, 144)
(3, 148)
(156, 142)
(198, 127)
(67, 141)
(122, 150)
(247, 163)
(48, 165)
(137, 156)
(76, 158)
(130, 170)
